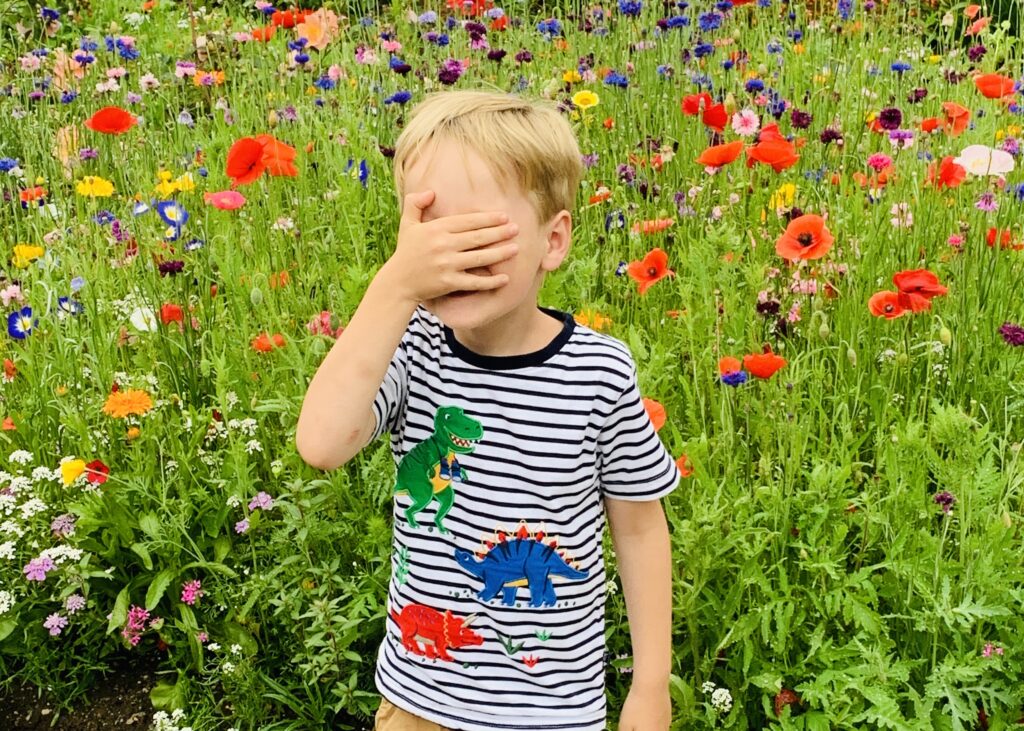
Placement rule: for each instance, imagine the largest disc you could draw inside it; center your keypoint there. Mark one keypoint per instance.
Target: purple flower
(450, 71)
(191, 591)
(590, 160)
(987, 202)
(35, 570)
(74, 603)
(242, 526)
(171, 267)
(946, 499)
(800, 120)
(524, 56)
(63, 525)
(975, 53)
(55, 623)
(831, 135)
(262, 501)
(917, 95)
(1012, 333)
(890, 118)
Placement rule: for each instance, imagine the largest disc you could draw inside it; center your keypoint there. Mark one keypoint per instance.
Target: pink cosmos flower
(225, 200)
(391, 46)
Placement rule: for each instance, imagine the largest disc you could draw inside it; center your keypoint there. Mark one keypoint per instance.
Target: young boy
(514, 430)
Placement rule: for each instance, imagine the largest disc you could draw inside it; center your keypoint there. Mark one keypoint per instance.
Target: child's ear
(559, 239)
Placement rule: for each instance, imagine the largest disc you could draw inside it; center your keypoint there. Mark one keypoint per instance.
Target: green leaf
(221, 548)
(166, 696)
(120, 611)
(150, 525)
(6, 627)
(158, 586)
(143, 553)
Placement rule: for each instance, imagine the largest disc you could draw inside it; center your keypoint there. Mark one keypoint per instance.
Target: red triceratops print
(437, 631)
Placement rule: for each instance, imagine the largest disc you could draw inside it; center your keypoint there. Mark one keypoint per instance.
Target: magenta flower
(35, 570)
(135, 624)
(191, 591)
(242, 526)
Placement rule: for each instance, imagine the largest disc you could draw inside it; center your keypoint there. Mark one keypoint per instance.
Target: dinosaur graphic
(437, 632)
(524, 560)
(428, 469)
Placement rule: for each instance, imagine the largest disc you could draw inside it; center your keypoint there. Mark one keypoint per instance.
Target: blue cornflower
(899, 66)
(173, 213)
(66, 304)
(764, 3)
(298, 45)
(427, 18)
(48, 14)
(630, 7)
(88, 44)
(724, 5)
(128, 53)
(366, 21)
(301, 58)
(7, 164)
(615, 219)
(1017, 191)
(665, 70)
(754, 85)
(701, 81)
(77, 283)
(362, 172)
(727, 64)
(450, 23)
(39, 52)
(709, 21)
(774, 47)
(438, 39)
(795, 34)
(83, 58)
(68, 96)
(845, 9)
(734, 378)
(396, 62)
(678, 21)
(703, 49)
(20, 323)
(614, 78)
(193, 244)
(110, 42)
(104, 218)
(325, 82)
(550, 28)
(399, 97)
(269, 10)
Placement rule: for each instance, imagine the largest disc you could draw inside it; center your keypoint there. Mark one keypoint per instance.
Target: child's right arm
(337, 419)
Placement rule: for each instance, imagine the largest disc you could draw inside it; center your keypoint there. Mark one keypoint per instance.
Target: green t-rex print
(428, 469)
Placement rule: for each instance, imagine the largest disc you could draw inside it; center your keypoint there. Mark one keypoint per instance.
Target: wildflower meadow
(805, 219)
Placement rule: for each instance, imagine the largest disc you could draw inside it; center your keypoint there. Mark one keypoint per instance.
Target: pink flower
(35, 570)
(879, 161)
(745, 123)
(135, 624)
(325, 324)
(225, 200)
(55, 623)
(74, 603)
(191, 591)
(202, 637)
(242, 526)
(391, 46)
(262, 501)
(11, 292)
(365, 55)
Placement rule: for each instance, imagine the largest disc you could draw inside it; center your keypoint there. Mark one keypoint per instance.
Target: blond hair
(523, 141)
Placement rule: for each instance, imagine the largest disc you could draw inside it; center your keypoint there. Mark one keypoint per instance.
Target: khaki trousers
(392, 718)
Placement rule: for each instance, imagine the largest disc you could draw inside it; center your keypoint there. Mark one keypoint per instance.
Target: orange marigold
(124, 403)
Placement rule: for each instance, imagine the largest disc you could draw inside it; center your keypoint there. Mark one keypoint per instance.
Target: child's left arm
(643, 554)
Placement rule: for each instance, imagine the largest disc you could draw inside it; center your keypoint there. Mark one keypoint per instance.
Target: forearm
(645, 566)
(340, 395)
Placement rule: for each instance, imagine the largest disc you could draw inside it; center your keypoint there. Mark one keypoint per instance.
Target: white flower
(233, 501)
(228, 666)
(721, 699)
(6, 601)
(7, 551)
(253, 445)
(707, 687)
(984, 160)
(143, 319)
(20, 456)
(32, 507)
(213, 647)
(236, 649)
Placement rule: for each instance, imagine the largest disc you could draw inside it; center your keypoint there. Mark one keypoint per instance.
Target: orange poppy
(875, 181)
(111, 121)
(263, 342)
(1005, 237)
(685, 468)
(930, 124)
(651, 269)
(956, 118)
(277, 156)
(32, 194)
(601, 195)
(977, 26)
(917, 287)
(279, 279)
(718, 155)
(728, 364)
(265, 33)
(994, 86)
(170, 312)
(772, 149)
(500, 23)
(245, 161)
(886, 304)
(712, 115)
(806, 237)
(763, 365)
(288, 18)
(652, 226)
(9, 425)
(971, 11)
(946, 173)
(656, 412)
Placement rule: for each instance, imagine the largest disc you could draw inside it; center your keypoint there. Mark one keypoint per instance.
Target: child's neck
(526, 329)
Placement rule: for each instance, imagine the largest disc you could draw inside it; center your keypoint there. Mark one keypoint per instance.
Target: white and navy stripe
(563, 428)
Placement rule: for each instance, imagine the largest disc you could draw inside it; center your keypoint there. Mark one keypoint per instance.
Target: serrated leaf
(142, 552)
(150, 525)
(158, 586)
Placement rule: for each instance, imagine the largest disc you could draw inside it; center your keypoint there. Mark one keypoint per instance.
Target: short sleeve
(635, 465)
(389, 403)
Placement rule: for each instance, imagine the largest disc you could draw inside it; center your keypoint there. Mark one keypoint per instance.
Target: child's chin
(460, 310)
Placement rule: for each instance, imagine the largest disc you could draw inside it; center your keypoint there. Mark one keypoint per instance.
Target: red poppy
(10, 369)
(651, 269)
(977, 26)
(946, 173)
(500, 23)
(609, 123)
(772, 149)
(916, 288)
(170, 312)
(601, 195)
(886, 304)
(288, 18)
(728, 365)
(685, 468)
(806, 237)
(930, 124)
(712, 115)
(277, 156)
(718, 155)
(994, 86)
(96, 472)
(1005, 237)
(225, 200)
(30, 195)
(265, 33)
(111, 121)
(656, 412)
(763, 365)
(9, 425)
(971, 11)
(956, 118)
(263, 342)
(245, 161)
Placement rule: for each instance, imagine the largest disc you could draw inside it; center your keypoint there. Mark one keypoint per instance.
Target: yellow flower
(934, 58)
(1013, 130)
(870, 117)
(25, 253)
(572, 76)
(123, 403)
(166, 188)
(585, 99)
(133, 432)
(1000, 134)
(592, 319)
(783, 197)
(93, 187)
(185, 183)
(798, 48)
(70, 470)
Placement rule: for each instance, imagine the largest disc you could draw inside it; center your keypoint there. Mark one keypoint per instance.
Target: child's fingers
(483, 257)
(483, 236)
(470, 221)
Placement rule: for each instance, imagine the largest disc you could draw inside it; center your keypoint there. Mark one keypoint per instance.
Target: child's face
(467, 187)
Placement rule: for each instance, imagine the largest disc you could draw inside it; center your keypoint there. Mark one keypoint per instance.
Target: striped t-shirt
(497, 593)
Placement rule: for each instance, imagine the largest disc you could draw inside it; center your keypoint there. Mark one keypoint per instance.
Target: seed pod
(272, 118)
(945, 336)
(256, 296)
(902, 359)
(851, 355)
(1007, 520)
(824, 331)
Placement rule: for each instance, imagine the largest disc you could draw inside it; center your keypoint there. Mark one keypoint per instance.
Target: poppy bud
(803, 554)
(256, 296)
(1007, 520)
(824, 331)
(902, 359)
(945, 336)
(851, 355)
(272, 118)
